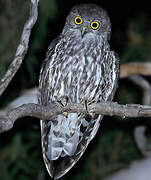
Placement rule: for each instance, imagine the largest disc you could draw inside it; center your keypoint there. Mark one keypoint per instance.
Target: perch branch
(52, 110)
(22, 47)
(31, 95)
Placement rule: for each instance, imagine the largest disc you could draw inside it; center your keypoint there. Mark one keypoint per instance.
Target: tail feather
(71, 145)
(66, 149)
(63, 138)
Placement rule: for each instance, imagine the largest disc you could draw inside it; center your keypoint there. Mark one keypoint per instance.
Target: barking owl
(79, 68)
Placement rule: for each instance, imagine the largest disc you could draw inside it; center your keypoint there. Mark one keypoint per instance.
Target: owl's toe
(65, 114)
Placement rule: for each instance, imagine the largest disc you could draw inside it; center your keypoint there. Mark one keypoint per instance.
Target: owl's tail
(62, 141)
(63, 138)
(67, 142)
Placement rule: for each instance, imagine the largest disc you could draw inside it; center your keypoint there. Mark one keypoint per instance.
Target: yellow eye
(95, 25)
(78, 20)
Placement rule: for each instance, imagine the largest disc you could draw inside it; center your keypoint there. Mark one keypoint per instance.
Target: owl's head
(89, 19)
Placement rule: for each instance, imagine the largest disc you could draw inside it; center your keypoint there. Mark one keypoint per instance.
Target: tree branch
(139, 131)
(135, 68)
(141, 141)
(22, 47)
(52, 110)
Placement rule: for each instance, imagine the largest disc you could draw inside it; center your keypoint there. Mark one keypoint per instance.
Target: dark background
(113, 148)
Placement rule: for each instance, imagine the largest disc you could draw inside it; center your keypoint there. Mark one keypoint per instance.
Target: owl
(79, 68)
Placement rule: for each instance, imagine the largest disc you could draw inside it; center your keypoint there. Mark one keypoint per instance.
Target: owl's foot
(63, 101)
(86, 103)
(65, 114)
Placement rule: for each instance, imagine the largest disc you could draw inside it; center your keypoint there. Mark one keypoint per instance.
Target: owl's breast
(79, 71)
(78, 77)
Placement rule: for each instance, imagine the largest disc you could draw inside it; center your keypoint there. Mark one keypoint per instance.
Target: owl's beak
(84, 30)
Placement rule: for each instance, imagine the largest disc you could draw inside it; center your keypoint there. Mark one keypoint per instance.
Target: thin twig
(22, 47)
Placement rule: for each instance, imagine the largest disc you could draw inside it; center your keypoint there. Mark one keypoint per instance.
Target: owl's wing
(115, 69)
(43, 99)
(44, 74)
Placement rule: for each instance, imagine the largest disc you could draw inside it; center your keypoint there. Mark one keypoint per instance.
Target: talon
(86, 105)
(84, 102)
(65, 114)
(63, 100)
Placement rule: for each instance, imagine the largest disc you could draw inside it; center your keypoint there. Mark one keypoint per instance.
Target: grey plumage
(79, 68)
